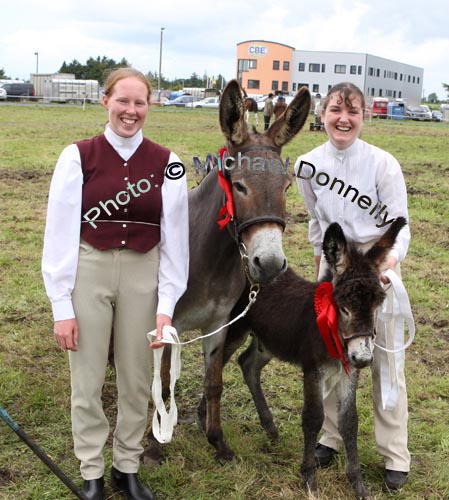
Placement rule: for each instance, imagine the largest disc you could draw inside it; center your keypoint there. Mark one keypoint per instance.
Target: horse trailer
(71, 90)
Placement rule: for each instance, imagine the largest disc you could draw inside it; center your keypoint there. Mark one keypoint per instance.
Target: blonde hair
(121, 73)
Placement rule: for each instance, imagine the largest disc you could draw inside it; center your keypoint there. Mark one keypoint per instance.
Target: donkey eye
(345, 311)
(240, 187)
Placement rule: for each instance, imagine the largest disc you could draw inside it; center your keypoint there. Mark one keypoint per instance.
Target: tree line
(98, 69)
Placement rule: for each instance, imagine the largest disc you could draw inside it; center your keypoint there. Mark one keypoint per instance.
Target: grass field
(34, 374)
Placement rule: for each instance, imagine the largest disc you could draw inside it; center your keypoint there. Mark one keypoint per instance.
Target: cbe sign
(257, 50)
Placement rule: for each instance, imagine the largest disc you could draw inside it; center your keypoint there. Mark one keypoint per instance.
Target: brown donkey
(283, 322)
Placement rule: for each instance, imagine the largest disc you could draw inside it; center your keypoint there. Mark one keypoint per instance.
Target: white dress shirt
(362, 188)
(62, 231)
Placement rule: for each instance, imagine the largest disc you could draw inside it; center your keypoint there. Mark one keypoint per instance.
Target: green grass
(34, 374)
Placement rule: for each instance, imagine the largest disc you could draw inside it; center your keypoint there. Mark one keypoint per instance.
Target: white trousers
(115, 289)
(390, 427)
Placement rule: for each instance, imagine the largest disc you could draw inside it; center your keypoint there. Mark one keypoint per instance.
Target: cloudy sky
(201, 36)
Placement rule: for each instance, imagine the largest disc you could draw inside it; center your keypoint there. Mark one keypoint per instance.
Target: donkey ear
(334, 248)
(380, 250)
(291, 122)
(232, 114)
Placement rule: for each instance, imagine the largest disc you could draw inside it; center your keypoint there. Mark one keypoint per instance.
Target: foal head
(357, 289)
(259, 178)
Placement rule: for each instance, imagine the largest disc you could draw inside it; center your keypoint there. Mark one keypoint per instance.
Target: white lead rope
(397, 310)
(163, 421)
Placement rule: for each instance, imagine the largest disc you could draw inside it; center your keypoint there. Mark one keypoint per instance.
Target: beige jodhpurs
(390, 427)
(115, 289)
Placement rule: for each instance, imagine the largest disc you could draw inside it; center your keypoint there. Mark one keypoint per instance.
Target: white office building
(375, 76)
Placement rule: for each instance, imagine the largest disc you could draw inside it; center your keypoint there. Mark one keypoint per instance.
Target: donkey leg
(348, 428)
(153, 454)
(251, 361)
(213, 388)
(312, 420)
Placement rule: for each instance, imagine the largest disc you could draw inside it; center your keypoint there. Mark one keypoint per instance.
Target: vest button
(124, 225)
(123, 242)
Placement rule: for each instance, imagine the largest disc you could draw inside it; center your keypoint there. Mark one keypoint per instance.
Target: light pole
(37, 62)
(160, 66)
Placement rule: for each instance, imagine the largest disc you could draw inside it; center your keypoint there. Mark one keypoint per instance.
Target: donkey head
(357, 288)
(259, 178)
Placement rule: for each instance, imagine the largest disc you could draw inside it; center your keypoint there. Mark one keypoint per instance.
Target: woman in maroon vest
(115, 258)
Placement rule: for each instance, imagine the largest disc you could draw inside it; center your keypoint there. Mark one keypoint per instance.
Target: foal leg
(251, 361)
(312, 420)
(348, 427)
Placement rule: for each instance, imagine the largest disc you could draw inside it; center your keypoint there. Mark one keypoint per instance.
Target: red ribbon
(227, 211)
(326, 312)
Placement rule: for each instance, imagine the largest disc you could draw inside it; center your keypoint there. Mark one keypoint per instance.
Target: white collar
(123, 143)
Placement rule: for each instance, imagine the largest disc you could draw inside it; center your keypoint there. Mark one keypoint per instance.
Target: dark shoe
(93, 489)
(395, 479)
(324, 455)
(130, 486)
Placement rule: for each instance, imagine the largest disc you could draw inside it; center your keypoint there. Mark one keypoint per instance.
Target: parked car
(261, 101)
(208, 102)
(421, 113)
(16, 91)
(182, 101)
(437, 116)
(2, 94)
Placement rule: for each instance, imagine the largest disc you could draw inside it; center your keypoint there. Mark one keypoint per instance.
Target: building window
(408, 78)
(323, 68)
(353, 70)
(380, 92)
(286, 65)
(284, 86)
(301, 66)
(293, 87)
(400, 77)
(395, 76)
(274, 85)
(378, 72)
(340, 68)
(370, 71)
(303, 85)
(400, 94)
(254, 84)
(417, 80)
(276, 64)
(314, 68)
(413, 79)
(246, 64)
(315, 87)
(394, 94)
(359, 70)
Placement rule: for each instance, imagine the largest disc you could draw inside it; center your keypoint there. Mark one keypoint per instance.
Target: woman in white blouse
(360, 186)
(115, 258)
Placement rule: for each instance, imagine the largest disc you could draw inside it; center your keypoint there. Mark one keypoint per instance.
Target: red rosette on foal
(327, 321)
(227, 211)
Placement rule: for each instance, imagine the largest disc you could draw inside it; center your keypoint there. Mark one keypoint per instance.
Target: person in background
(279, 107)
(268, 111)
(377, 175)
(115, 257)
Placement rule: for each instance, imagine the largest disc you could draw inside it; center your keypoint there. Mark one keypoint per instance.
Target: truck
(71, 90)
(379, 107)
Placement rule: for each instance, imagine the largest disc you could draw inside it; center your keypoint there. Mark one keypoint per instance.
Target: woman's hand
(390, 263)
(161, 321)
(66, 334)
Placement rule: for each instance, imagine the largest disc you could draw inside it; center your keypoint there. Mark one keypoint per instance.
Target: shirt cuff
(317, 250)
(166, 306)
(63, 309)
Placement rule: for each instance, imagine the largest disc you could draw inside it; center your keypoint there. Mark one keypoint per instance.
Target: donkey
(216, 275)
(283, 322)
(251, 107)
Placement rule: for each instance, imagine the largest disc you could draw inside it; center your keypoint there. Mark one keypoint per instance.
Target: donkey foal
(283, 322)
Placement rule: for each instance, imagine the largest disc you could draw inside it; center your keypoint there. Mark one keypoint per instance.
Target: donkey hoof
(224, 456)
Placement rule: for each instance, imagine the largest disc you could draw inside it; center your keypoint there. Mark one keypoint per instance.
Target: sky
(201, 36)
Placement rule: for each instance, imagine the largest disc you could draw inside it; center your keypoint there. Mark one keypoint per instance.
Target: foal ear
(379, 251)
(232, 113)
(291, 122)
(334, 248)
